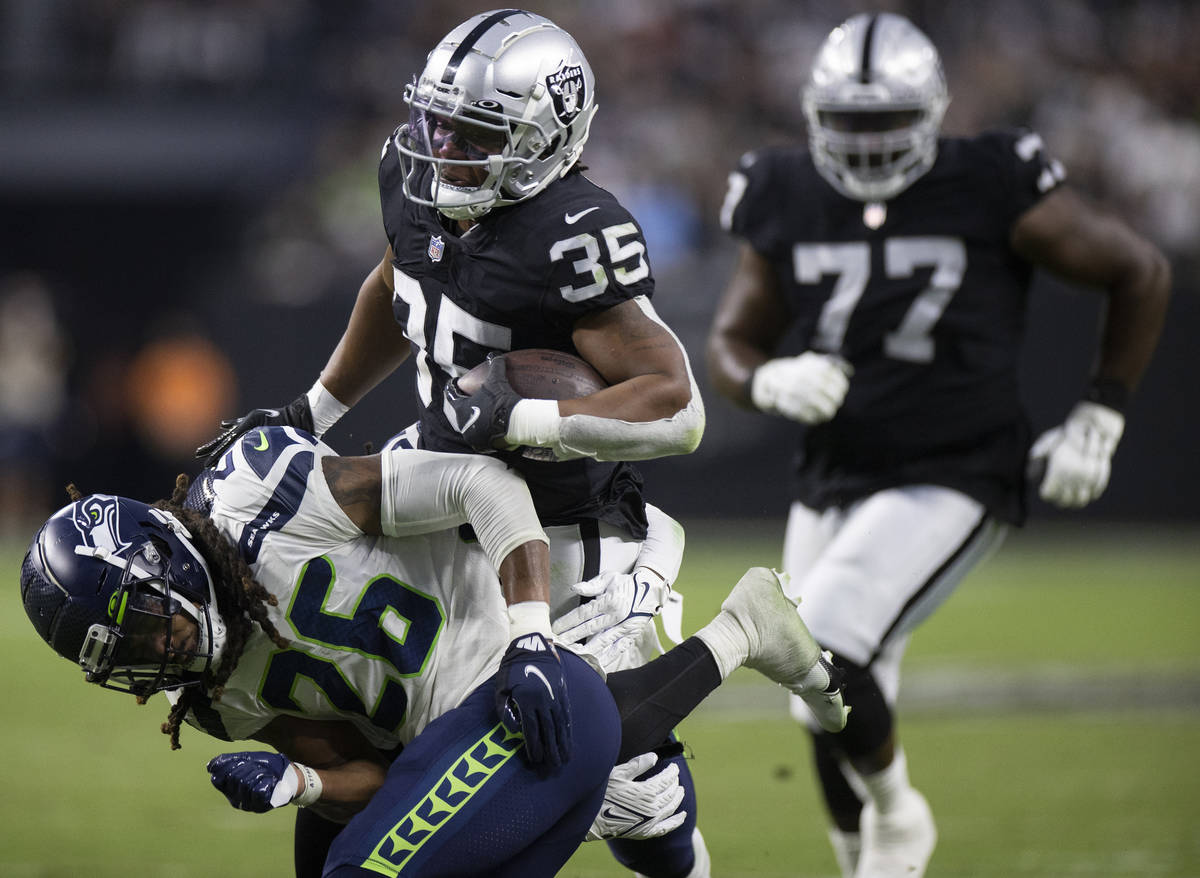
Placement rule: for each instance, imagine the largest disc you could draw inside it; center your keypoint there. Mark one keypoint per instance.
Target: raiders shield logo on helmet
(567, 87)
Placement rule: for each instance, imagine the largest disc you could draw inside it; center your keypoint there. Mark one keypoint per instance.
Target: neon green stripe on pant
(448, 796)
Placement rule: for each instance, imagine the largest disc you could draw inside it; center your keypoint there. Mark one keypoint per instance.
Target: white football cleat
(781, 647)
(897, 844)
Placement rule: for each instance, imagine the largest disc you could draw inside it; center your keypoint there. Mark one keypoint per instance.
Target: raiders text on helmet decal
(567, 85)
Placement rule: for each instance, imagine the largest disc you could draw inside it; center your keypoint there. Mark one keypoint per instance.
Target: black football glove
(296, 414)
(482, 417)
(531, 698)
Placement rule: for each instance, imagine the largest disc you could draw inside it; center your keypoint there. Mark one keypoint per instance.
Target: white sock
(846, 848)
(726, 640)
(886, 787)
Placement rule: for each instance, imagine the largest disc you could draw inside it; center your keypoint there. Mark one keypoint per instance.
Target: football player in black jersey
(903, 263)
(496, 241)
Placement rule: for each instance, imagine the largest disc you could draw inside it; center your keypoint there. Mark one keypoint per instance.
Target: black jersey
(520, 278)
(926, 299)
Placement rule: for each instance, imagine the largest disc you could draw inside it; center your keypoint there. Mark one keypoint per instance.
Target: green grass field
(1051, 715)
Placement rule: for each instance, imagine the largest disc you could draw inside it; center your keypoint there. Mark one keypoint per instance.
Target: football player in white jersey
(497, 241)
(903, 260)
(332, 608)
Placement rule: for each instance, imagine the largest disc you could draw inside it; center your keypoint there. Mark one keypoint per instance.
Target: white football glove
(809, 388)
(639, 808)
(625, 602)
(1077, 455)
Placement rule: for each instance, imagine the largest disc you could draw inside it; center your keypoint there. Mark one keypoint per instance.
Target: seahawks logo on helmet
(568, 88)
(97, 519)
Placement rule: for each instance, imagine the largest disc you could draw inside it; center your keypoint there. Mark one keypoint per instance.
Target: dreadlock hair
(241, 601)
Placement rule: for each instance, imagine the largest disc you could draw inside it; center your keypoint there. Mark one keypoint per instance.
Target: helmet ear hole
(550, 149)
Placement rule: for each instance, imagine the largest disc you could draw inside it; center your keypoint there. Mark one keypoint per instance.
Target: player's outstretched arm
(1066, 236)
(371, 348)
(401, 493)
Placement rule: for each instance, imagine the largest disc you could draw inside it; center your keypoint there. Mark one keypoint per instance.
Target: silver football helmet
(874, 105)
(509, 96)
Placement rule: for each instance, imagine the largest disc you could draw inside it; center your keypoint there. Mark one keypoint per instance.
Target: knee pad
(870, 722)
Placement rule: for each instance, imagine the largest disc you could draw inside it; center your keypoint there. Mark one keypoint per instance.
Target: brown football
(540, 373)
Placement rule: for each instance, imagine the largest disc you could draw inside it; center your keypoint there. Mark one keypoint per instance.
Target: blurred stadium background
(188, 204)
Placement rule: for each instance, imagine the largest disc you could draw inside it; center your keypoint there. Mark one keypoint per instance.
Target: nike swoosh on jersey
(471, 420)
(531, 670)
(572, 218)
(263, 444)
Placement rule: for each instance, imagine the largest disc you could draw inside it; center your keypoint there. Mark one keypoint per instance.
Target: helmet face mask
(874, 106)
(502, 109)
(118, 586)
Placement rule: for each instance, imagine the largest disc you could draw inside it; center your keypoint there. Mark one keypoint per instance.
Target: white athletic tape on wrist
(534, 422)
(326, 408)
(312, 786)
(529, 617)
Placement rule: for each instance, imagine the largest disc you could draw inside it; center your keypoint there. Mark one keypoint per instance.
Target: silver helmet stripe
(470, 40)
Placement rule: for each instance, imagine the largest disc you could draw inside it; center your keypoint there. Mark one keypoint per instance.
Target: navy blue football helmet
(102, 581)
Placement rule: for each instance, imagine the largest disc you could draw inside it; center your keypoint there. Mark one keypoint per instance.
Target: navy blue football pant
(462, 801)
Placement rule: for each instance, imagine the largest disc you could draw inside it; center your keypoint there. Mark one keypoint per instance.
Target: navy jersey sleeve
(1022, 168)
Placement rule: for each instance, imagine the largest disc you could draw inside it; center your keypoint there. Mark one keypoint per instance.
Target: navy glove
(296, 414)
(531, 698)
(482, 417)
(248, 779)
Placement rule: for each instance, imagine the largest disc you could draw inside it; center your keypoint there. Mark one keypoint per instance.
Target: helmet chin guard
(518, 94)
(103, 581)
(874, 105)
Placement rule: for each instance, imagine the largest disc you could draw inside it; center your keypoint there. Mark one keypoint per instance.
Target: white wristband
(534, 422)
(326, 409)
(312, 786)
(529, 617)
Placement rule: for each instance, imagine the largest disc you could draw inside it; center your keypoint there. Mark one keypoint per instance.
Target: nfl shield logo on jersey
(437, 246)
(567, 87)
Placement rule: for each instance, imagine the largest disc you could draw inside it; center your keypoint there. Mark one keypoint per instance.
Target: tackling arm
(400, 493)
